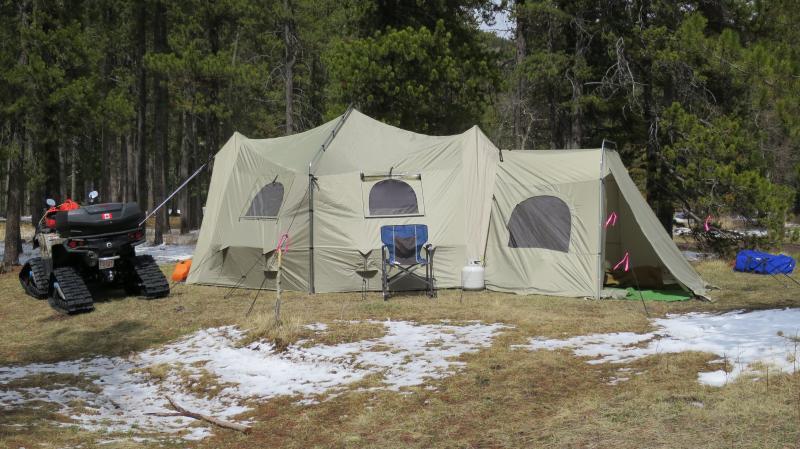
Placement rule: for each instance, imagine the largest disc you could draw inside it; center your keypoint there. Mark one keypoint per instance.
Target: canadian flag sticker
(107, 216)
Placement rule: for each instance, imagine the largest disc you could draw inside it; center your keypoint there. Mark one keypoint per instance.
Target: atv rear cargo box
(99, 219)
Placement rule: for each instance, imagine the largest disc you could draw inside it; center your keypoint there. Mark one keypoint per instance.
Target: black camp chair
(402, 250)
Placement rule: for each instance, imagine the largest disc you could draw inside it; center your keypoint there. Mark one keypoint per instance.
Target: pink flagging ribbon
(707, 224)
(283, 244)
(612, 219)
(626, 260)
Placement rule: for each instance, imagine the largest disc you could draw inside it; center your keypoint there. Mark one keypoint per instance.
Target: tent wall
(525, 175)
(625, 236)
(343, 235)
(465, 196)
(479, 169)
(234, 250)
(662, 249)
(457, 178)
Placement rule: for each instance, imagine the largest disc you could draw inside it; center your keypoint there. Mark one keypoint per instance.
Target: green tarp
(658, 295)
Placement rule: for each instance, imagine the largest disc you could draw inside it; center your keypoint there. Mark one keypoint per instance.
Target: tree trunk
(576, 120)
(195, 190)
(150, 181)
(576, 117)
(183, 172)
(552, 95)
(212, 123)
(654, 187)
(35, 185)
(290, 58)
(62, 175)
(115, 149)
(6, 179)
(73, 173)
(105, 165)
(160, 125)
(555, 119)
(141, 106)
(122, 168)
(14, 199)
(132, 168)
(519, 92)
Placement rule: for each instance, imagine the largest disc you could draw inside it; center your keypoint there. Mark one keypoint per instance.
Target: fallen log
(210, 419)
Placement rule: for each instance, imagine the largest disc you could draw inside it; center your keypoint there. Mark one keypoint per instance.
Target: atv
(92, 244)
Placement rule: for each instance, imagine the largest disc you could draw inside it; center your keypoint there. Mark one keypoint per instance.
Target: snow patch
(317, 327)
(27, 252)
(695, 256)
(746, 340)
(164, 254)
(123, 397)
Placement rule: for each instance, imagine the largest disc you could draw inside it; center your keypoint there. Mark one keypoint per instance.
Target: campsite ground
(502, 398)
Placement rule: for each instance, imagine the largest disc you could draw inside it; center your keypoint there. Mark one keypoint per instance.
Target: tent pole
(197, 172)
(601, 252)
(601, 243)
(310, 230)
(311, 179)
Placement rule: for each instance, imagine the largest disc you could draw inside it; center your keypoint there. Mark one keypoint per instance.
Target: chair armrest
(429, 248)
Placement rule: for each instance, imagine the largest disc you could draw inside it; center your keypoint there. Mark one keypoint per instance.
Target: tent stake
(256, 297)
(639, 289)
(792, 279)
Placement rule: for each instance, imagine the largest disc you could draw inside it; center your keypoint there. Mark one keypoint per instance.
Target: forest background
(702, 98)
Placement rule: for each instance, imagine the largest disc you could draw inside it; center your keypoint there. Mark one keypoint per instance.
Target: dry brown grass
(26, 230)
(263, 325)
(203, 384)
(174, 222)
(503, 398)
(340, 332)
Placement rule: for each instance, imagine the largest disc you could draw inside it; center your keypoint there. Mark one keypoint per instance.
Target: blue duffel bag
(750, 261)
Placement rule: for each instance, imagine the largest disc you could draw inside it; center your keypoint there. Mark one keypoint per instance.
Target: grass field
(502, 398)
(26, 229)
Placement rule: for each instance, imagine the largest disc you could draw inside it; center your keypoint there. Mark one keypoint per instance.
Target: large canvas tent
(535, 218)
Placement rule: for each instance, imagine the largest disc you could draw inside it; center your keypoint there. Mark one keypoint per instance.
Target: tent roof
(361, 144)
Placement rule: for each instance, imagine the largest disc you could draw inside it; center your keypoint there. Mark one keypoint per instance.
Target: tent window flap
(540, 222)
(392, 197)
(267, 201)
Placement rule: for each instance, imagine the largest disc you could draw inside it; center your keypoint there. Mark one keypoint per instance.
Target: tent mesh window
(540, 222)
(392, 197)
(267, 201)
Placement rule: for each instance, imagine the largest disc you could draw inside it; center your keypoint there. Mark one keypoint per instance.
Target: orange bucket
(181, 271)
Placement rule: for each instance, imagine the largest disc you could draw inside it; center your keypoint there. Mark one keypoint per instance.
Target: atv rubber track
(34, 279)
(152, 282)
(76, 296)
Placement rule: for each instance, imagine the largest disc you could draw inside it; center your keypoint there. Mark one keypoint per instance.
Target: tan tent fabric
(454, 193)
(465, 196)
(574, 176)
(656, 243)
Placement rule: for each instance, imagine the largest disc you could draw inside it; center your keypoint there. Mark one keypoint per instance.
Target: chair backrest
(405, 242)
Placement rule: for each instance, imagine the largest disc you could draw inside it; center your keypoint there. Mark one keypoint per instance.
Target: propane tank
(472, 276)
